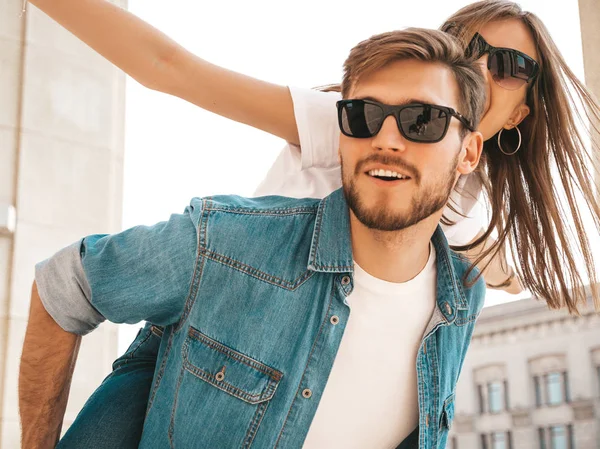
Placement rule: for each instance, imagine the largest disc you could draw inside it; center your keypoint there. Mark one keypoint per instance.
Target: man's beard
(429, 199)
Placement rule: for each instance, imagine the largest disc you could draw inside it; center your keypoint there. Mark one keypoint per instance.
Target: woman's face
(505, 108)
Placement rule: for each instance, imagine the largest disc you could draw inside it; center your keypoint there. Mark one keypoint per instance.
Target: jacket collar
(331, 252)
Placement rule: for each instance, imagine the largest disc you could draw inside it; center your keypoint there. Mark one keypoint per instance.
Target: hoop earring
(500, 145)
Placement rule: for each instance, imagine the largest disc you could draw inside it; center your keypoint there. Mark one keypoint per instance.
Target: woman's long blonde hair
(525, 189)
(524, 193)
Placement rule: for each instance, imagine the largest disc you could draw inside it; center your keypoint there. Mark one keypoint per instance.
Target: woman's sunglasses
(417, 122)
(510, 68)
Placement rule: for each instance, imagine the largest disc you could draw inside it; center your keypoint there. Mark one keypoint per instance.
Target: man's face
(431, 167)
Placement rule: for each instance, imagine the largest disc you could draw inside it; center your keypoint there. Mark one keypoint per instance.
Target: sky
(175, 151)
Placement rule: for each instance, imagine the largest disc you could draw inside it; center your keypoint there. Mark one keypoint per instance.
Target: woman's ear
(471, 153)
(518, 115)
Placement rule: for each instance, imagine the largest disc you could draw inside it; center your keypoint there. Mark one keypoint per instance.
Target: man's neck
(396, 256)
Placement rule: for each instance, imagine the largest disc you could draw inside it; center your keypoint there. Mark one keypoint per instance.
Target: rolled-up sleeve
(143, 273)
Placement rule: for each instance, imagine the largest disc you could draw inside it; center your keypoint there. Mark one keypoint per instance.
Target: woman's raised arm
(159, 63)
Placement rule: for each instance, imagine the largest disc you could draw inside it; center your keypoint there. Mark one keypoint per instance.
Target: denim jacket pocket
(233, 389)
(229, 370)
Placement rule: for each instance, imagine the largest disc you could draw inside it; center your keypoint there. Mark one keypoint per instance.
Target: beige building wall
(61, 170)
(513, 343)
(589, 13)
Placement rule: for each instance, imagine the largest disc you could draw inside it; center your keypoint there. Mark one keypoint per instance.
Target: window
(542, 437)
(538, 391)
(484, 444)
(550, 379)
(557, 437)
(495, 397)
(499, 440)
(554, 388)
(496, 440)
(492, 388)
(481, 400)
(551, 389)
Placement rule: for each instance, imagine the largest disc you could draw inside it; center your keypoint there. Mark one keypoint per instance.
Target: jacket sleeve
(143, 273)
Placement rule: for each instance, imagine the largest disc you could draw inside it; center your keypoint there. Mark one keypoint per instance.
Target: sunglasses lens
(423, 123)
(360, 119)
(510, 70)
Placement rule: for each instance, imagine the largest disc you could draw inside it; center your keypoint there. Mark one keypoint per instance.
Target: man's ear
(470, 153)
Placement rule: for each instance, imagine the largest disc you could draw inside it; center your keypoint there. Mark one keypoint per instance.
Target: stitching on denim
(235, 355)
(160, 372)
(199, 268)
(462, 298)
(307, 364)
(318, 223)
(436, 392)
(467, 320)
(175, 400)
(261, 410)
(447, 402)
(274, 212)
(256, 273)
(421, 393)
(245, 396)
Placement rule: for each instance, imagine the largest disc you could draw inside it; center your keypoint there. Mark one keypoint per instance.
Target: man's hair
(422, 45)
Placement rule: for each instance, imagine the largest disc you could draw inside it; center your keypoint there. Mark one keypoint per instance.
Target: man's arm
(47, 363)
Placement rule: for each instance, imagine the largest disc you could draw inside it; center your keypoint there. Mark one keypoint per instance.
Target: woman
(528, 123)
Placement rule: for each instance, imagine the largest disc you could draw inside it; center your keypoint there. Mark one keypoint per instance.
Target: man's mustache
(391, 161)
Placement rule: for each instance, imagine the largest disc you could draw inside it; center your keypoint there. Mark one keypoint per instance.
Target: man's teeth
(386, 174)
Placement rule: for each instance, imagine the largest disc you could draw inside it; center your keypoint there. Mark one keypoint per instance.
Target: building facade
(531, 380)
(61, 171)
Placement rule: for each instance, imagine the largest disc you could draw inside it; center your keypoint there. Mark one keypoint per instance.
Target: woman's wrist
(506, 283)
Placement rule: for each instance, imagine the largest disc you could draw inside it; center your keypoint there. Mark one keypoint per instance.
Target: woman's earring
(500, 145)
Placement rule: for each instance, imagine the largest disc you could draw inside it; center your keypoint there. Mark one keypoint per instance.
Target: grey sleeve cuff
(65, 291)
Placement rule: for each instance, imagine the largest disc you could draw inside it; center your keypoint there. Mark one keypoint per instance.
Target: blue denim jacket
(246, 289)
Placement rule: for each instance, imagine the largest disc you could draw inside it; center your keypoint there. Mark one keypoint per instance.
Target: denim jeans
(113, 417)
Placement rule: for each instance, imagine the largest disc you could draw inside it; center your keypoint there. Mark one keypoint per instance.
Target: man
(260, 346)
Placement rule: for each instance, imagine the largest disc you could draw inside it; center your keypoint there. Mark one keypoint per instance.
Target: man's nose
(389, 137)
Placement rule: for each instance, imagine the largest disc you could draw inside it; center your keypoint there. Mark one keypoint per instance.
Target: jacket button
(307, 393)
(334, 320)
(448, 308)
(345, 280)
(220, 376)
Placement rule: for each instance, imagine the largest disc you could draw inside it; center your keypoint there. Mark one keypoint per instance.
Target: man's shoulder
(264, 205)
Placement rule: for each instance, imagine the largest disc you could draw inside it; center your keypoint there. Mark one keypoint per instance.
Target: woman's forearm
(139, 49)
(498, 272)
(159, 63)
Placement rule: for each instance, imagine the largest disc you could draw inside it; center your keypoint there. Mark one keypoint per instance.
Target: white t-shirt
(370, 400)
(315, 172)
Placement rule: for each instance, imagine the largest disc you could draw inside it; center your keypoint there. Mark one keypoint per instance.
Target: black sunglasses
(510, 68)
(417, 122)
